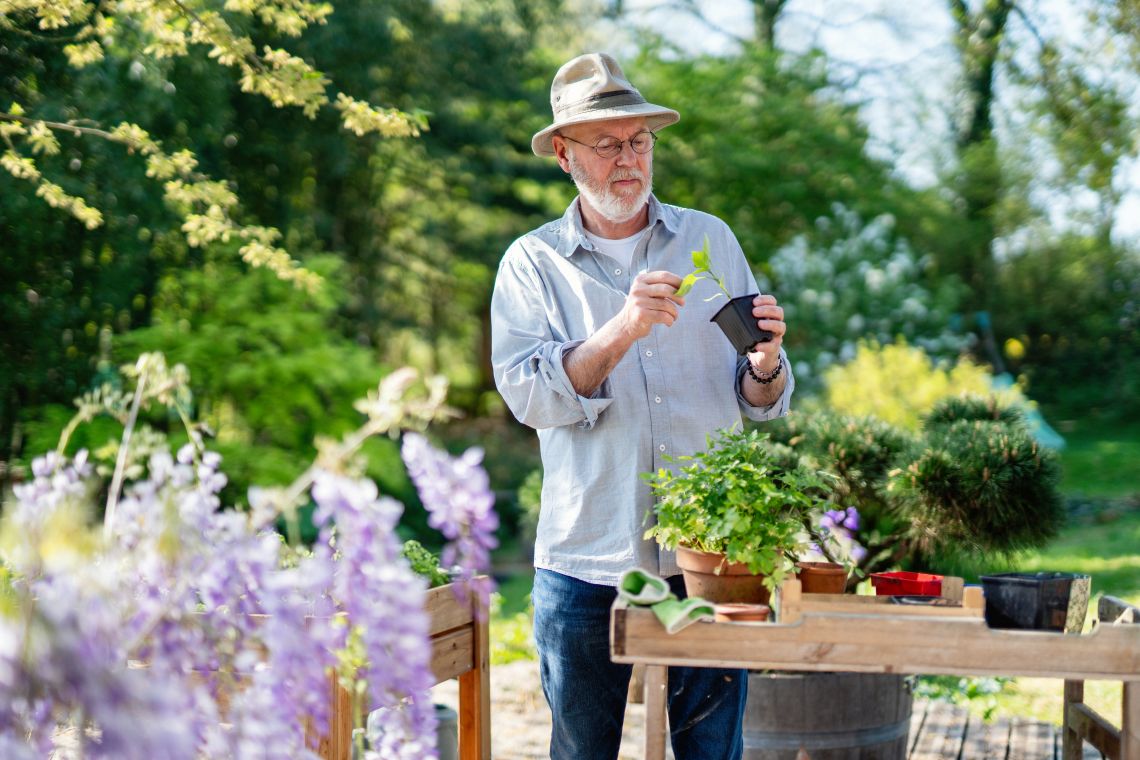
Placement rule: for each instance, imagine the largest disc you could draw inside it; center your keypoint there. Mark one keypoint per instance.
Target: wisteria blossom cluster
(457, 494)
(177, 632)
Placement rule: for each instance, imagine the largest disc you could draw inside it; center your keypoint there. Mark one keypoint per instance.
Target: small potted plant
(735, 318)
(736, 514)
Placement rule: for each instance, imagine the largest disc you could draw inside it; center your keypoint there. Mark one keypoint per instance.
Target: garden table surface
(822, 632)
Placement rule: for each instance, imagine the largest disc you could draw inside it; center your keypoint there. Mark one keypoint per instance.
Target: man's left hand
(765, 357)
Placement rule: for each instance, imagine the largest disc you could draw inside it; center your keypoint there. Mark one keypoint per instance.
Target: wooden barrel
(833, 716)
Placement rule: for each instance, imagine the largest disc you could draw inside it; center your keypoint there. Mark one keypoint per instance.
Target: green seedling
(702, 271)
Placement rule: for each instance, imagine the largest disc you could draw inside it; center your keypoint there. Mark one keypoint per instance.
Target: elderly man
(593, 348)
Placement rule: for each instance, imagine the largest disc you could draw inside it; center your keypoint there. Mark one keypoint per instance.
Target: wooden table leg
(656, 686)
(1070, 740)
(475, 699)
(1130, 722)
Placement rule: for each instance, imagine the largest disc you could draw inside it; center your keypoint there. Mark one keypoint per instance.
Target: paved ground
(520, 719)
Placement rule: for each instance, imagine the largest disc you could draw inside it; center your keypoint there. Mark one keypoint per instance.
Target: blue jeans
(587, 692)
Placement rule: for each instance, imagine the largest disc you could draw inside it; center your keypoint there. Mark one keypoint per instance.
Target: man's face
(616, 187)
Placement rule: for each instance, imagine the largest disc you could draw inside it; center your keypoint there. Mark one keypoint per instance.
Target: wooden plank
(1030, 740)
(986, 741)
(1130, 726)
(1089, 726)
(475, 698)
(882, 605)
(1112, 610)
(656, 685)
(337, 744)
(871, 643)
(445, 610)
(952, 588)
(452, 653)
(942, 732)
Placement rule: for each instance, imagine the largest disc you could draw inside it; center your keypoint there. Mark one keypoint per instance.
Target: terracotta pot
(712, 577)
(821, 577)
(741, 613)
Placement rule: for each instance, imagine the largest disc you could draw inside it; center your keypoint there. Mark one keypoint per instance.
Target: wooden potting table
(824, 632)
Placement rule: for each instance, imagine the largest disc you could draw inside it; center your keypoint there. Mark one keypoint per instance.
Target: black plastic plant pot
(739, 326)
(1036, 601)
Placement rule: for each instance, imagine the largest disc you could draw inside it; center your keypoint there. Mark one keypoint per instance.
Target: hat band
(601, 101)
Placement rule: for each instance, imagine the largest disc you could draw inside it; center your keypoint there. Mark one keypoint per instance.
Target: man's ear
(560, 147)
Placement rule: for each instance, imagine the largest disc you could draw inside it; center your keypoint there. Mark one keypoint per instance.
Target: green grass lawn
(1102, 462)
(1101, 472)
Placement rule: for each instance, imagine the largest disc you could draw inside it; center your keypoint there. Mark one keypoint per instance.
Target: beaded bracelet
(767, 377)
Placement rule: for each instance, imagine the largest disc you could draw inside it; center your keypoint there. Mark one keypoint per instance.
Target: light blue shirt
(671, 389)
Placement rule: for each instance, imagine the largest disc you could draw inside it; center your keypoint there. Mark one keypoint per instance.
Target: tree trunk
(978, 37)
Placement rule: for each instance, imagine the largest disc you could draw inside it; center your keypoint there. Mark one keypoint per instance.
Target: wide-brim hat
(590, 88)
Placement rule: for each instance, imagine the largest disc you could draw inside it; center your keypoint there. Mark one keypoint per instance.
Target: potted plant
(736, 514)
(735, 318)
(832, 555)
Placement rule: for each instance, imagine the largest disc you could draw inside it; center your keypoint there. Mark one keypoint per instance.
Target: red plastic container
(901, 582)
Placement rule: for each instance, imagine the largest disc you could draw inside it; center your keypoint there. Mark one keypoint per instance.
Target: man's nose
(627, 156)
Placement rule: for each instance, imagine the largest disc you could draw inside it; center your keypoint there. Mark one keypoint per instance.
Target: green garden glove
(641, 587)
(676, 614)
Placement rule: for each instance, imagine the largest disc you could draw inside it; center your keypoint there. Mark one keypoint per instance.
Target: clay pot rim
(742, 612)
(824, 568)
(695, 560)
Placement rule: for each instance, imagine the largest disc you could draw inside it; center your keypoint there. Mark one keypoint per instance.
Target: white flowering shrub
(852, 281)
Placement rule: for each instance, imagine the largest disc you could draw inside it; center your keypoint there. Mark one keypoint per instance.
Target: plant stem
(121, 462)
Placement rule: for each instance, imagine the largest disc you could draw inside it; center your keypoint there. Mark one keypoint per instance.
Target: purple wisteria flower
(457, 495)
(384, 601)
(176, 632)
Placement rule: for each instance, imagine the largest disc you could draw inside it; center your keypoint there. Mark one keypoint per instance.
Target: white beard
(612, 206)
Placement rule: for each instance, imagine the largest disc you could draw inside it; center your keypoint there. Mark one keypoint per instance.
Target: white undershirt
(620, 250)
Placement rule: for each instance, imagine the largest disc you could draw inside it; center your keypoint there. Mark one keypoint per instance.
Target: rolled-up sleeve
(527, 357)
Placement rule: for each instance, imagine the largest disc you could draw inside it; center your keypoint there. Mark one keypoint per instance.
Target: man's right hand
(651, 301)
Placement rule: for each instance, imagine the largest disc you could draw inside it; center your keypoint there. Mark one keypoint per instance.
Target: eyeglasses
(608, 147)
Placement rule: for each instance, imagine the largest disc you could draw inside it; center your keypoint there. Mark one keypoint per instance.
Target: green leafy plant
(702, 270)
(425, 564)
(745, 497)
(971, 482)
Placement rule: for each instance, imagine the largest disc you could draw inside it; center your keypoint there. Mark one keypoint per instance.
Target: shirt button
(617, 271)
(649, 353)
(657, 399)
(661, 447)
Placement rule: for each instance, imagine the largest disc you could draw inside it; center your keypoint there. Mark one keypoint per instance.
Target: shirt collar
(574, 234)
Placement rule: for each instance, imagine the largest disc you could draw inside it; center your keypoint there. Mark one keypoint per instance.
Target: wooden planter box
(460, 648)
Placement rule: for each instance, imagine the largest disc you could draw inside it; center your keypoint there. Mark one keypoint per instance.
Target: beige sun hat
(592, 87)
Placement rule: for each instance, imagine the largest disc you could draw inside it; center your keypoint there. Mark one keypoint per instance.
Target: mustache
(620, 174)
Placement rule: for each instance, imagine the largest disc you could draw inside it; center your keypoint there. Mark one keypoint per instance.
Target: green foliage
(743, 496)
(530, 501)
(271, 371)
(981, 482)
(859, 453)
(899, 383)
(1072, 306)
(512, 634)
(702, 271)
(972, 481)
(850, 282)
(425, 564)
(761, 143)
(980, 693)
